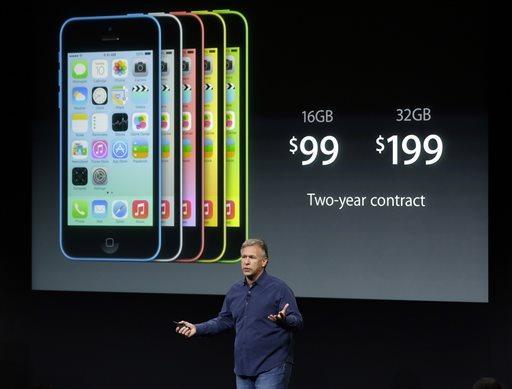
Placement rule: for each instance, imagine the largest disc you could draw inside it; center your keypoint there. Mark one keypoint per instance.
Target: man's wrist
(200, 328)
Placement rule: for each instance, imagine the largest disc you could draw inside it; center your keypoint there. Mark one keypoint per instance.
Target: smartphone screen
(211, 133)
(233, 137)
(110, 139)
(189, 128)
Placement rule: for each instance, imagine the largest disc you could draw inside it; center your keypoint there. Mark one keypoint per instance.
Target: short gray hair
(256, 242)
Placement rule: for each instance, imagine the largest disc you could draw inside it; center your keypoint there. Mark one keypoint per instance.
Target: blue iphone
(110, 140)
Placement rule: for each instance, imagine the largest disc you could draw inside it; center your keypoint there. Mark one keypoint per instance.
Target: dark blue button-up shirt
(260, 344)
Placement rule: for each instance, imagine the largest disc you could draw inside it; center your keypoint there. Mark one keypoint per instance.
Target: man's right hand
(186, 329)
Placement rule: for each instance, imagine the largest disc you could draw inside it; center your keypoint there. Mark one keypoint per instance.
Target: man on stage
(264, 313)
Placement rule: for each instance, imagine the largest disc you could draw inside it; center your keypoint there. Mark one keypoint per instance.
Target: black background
(93, 340)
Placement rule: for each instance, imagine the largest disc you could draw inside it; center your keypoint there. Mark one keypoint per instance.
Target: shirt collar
(262, 279)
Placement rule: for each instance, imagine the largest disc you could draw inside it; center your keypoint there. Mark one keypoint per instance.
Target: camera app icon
(164, 68)
(230, 64)
(208, 65)
(185, 66)
(140, 68)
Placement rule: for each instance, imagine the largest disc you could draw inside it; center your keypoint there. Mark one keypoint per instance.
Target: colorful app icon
(99, 176)
(79, 95)
(230, 209)
(187, 148)
(140, 122)
(166, 147)
(99, 69)
(99, 209)
(166, 210)
(208, 93)
(185, 66)
(79, 122)
(208, 121)
(79, 69)
(208, 65)
(99, 149)
(140, 148)
(230, 147)
(79, 209)
(187, 94)
(208, 209)
(166, 122)
(99, 122)
(119, 209)
(100, 95)
(186, 121)
(187, 209)
(79, 176)
(140, 94)
(230, 93)
(119, 122)
(230, 64)
(140, 68)
(230, 120)
(119, 95)
(140, 209)
(120, 150)
(208, 147)
(120, 68)
(166, 94)
(79, 150)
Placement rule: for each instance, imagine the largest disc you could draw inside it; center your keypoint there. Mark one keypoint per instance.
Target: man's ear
(266, 262)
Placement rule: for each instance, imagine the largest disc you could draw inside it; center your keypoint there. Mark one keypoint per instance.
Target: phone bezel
(238, 36)
(215, 37)
(87, 34)
(193, 38)
(172, 240)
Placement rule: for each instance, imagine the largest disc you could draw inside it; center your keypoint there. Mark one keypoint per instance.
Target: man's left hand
(280, 316)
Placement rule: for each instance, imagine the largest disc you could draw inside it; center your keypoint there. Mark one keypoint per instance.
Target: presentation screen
(366, 137)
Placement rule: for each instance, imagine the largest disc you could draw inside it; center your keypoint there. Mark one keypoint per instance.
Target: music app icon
(99, 149)
(208, 209)
(230, 209)
(187, 209)
(166, 209)
(140, 209)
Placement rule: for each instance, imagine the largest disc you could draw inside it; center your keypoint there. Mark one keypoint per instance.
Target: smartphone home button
(110, 246)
